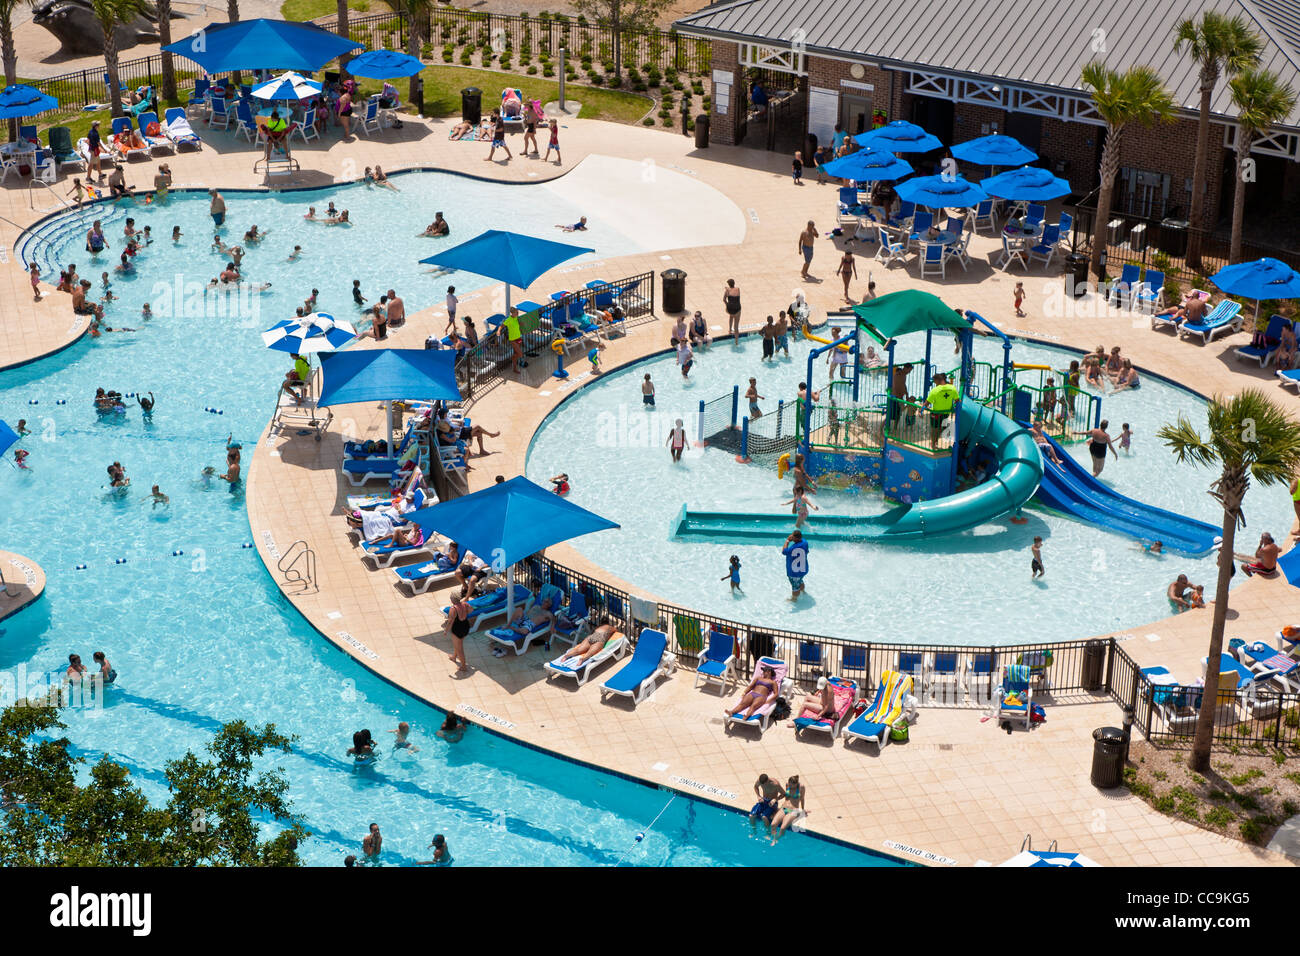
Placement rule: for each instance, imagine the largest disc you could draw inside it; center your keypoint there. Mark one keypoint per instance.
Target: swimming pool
(972, 588)
(198, 630)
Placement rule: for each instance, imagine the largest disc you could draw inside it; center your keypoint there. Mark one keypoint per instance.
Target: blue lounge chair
(846, 693)
(1151, 290)
(874, 723)
(65, 154)
(177, 129)
(578, 617)
(1289, 376)
(508, 637)
(157, 140)
(717, 661)
(981, 673)
(220, 112)
(420, 577)
(1224, 317)
(810, 656)
(637, 678)
(1122, 290)
(1266, 662)
(854, 659)
(1016, 700)
(385, 555)
(1272, 341)
(762, 717)
(911, 662)
(564, 666)
(487, 606)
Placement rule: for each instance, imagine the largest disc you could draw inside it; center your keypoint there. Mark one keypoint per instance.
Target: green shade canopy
(911, 310)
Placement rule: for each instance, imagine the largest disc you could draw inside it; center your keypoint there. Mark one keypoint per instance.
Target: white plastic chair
(933, 259)
(984, 217)
(1010, 255)
(307, 128)
(370, 121)
(958, 251)
(890, 251)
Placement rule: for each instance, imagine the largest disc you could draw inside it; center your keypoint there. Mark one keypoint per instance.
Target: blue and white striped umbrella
(1048, 858)
(317, 332)
(287, 86)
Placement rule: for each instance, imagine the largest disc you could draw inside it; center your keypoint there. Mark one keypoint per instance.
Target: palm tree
(1218, 44)
(232, 14)
(1262, 101)
(1136, 96)
(8, 52)
(342, 30)
(1250, 437)
(417, 13)
(164, 38)
(111, 13)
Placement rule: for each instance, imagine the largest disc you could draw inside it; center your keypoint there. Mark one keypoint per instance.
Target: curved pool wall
(972, 588)
(200, 633)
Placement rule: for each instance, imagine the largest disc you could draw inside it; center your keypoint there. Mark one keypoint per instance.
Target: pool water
(196, 627)
(971, 588)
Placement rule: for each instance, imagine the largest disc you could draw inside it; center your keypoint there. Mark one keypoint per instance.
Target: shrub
(465, 58)
(505, 62)
(667, 120)
(1164, 804)
(1219, 817)
(447, 56)
(1245, 777)
(597, 79)
(532, 70)
(648, 121)
(548, 70)
(1252, 830)
(1290, 807)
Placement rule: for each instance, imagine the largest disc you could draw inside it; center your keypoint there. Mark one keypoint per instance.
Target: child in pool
(400, 741)
(560, 484)
(593, 357)
(733, 574)
(800, 504)
(1154, 547)
(22, 428)
(158, 498)
(1036, 563)
(1195, 596)
(20, 457)
(1125, 437)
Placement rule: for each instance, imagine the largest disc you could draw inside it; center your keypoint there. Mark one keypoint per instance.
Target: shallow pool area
(197, 629)
(968, 589)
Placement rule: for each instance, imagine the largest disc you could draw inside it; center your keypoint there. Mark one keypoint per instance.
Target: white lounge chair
(615, 647)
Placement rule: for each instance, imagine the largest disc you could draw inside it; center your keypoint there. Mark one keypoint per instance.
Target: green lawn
(442, 86)
(311, 9)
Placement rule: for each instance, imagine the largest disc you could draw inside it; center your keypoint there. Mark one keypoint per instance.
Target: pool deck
(24, 583)
(961, 789)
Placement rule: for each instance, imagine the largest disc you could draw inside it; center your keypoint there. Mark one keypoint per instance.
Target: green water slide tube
(1020, 468)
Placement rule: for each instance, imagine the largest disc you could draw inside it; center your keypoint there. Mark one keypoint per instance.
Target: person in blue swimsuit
(796, 563)
(733, 574)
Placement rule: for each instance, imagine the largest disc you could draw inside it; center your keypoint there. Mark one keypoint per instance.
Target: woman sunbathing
(408, 536)
(522, 625)
(820, 705)
(461, 130)
(590, 646)
(760, 690)
(1285, 355)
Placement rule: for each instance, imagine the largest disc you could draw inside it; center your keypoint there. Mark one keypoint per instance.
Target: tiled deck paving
(948, 790)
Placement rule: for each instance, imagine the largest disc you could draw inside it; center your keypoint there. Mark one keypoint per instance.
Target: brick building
(964, 68)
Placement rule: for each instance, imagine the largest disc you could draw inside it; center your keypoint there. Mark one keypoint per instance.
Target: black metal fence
(486, 365)
(664, 50)
(1162, 244)
(1086, 671)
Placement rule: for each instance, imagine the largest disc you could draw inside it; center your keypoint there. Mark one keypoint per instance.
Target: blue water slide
(1020, 469)
(1070, 489)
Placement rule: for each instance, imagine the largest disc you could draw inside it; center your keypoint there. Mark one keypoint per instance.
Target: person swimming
(400, 739)
(158, 498)
(560, 484)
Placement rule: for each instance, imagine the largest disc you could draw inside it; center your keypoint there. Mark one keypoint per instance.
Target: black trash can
(1076, 274)
(1107, 757)
(1173, 237)
(471, 105)
(702, 131)
(1094, 664)
(674, 290)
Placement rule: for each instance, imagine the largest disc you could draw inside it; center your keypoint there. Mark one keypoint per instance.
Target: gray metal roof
(1041, 43)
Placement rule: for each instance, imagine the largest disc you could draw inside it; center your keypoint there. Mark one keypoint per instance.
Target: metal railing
(915, 425)
(485, 366)
(1161, 244)
(1068, 672)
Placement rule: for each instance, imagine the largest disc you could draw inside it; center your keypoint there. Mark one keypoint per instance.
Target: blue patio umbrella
(1049, 858)
(505, 523)
(388, 375)
(7, 437)
(899, 136)
(939, 192)
(994, 150)
(509, 257)
(868, 166)
(18, 101)
(384, 64)
(1289, 562)
(316, 332)
(1261, 279)
(1027, 184)
(256, 44)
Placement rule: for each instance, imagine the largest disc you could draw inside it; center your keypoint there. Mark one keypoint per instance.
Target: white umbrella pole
(507, 312)
(510, 590)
